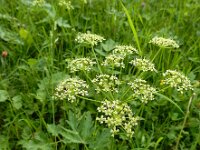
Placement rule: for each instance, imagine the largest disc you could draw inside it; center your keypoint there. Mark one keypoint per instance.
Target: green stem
(184, 122)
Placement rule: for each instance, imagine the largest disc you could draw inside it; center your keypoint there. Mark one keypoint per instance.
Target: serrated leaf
(102, 140)
(53, 129)
(70, 136)
(3, 95)
(72, 121)
(39, 142)
(17, 102)
(86, 126)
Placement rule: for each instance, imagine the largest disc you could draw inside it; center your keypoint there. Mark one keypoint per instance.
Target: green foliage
(39, 38)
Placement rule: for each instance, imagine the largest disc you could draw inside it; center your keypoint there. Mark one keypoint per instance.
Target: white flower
(142, 90)
(70, 88)
(124, 50)
(143, 64)
(177, 80)
(78, 64)
(88, 38)
(114, 61)
(163, 42)
(118, 116)
(106, 83)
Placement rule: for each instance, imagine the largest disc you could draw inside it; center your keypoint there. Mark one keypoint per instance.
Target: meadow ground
(99, 74)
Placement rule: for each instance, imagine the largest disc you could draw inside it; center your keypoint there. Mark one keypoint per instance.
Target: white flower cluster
(84, 64)
(106, 83)
(142, 90)
(117, 116)
(114, 61)
(38, 2)
(163, 42)
(88, 38)
(143, 64)
(124, 50)
(177, 80)
(70, 88)
(65, 4)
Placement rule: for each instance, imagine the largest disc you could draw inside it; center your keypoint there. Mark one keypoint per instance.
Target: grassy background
(39, 39)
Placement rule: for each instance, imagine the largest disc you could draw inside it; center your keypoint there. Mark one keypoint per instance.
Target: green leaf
(53, 129)
(102, 140)
(70, 136)
(86, 126)
(4, 142)
(17, 102)
(39, 142)
(100, 52)
(3, 95)
(109, 45)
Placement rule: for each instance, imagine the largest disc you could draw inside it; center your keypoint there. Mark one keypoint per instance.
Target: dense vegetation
(99, 74)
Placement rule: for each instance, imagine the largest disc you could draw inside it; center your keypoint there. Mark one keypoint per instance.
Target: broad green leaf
(109, 45)
(100, 52)
(3, 95)
(17, 102)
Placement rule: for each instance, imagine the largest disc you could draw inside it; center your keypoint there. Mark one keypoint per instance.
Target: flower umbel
(65, 4)
(114, 60)
(88, 38)
(38, 2)
(177, 80)
(143, 64)
(106, 83)
(84, 64)
(142, 90)
(70, 88)
(124, 50)
(118, 116)
(163, 42)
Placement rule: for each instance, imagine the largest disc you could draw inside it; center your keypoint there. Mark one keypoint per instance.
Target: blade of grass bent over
(132, 28)
(171, 101)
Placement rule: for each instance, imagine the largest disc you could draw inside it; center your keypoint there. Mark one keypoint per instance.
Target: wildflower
(65, 4)
(84, 64)
(106, 83)
(70, 88)
(163, 42)
(118, 116)
(4, 54)
(142, 90)
(143, 64)
(38, 2)
(114, 60)
(124, 50)
(88, 38)
(177, 80)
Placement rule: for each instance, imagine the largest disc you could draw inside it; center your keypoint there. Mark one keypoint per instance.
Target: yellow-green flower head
(124, 50)
(38, 2)
(88, 38)
(118, 116)
(163, 42)
(177, 80)
(143, 91)
(114, 60)
(84, 64)
(143, 64)
(71, 88)
(106, 83)
(66, 4)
